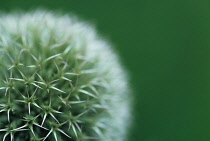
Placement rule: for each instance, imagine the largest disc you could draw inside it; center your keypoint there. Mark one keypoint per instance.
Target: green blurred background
(165, 46)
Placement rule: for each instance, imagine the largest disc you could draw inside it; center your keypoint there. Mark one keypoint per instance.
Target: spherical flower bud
(59, 81)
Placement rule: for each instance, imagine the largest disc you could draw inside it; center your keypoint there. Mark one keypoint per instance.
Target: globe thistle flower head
(59, 81)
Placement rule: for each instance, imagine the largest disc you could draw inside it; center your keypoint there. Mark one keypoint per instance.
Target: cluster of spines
(42, 97)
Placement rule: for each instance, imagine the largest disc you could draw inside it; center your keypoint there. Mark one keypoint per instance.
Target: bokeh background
(165, 46)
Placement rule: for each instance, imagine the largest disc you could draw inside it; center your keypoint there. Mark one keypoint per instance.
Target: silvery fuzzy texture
(59, 81)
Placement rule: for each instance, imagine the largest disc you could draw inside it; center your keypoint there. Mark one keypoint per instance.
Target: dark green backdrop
(165, 45)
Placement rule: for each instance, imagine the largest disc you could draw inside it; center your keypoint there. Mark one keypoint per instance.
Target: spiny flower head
(59, 81)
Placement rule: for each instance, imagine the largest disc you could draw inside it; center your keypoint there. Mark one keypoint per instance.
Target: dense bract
(59, 81)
